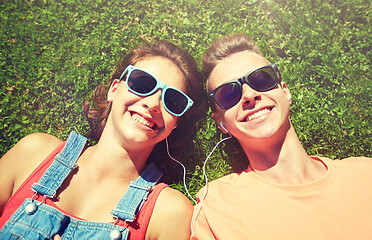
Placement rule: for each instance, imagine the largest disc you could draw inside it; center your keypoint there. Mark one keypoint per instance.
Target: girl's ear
(111, 92)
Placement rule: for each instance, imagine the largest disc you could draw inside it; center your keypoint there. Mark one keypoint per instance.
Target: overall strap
(136, 194)
(61, 167)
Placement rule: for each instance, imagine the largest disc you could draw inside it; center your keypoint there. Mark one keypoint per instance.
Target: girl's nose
(152, 102)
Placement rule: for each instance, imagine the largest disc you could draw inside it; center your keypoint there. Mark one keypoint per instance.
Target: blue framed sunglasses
(262, 79)
(144, 84)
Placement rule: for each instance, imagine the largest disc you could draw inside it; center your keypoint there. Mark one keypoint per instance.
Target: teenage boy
(284, 193)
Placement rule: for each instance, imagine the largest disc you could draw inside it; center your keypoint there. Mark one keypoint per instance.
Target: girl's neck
(110, 157)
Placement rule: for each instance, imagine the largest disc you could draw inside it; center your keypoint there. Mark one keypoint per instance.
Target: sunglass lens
(141, 82)
(262, 79)
(228, 95)
(175, 101)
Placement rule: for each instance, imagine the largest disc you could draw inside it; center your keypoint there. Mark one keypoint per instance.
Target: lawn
(53, 53)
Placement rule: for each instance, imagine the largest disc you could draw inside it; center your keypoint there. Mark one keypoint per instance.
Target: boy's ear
(217, 119)
(111, 92)
(287, 92)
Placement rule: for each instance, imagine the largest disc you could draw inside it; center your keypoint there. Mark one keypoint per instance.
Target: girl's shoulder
(23, 158)
(171, 217)
(32, 149)
(37, 141)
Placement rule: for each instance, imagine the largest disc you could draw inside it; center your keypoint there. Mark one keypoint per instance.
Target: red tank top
(137, 228)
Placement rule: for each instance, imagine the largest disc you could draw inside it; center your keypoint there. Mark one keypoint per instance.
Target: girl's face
(258, 115)
(143, 121)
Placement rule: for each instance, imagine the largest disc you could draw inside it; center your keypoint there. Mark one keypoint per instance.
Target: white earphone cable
(204, 174)
(184, 171)
(206, 181)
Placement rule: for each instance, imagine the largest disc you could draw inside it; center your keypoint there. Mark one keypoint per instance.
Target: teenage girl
(52, 188)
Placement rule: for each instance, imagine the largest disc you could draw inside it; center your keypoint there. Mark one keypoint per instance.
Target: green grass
(53, 54)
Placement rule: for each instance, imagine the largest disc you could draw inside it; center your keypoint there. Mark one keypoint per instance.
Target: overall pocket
(44, 223)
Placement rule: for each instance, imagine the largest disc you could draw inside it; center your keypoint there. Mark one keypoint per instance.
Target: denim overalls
(36, 220)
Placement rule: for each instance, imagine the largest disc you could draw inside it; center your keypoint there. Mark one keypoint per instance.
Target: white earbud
(223, 127)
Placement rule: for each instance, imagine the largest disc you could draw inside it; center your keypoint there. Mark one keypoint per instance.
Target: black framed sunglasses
(143, 84)
(262, 79)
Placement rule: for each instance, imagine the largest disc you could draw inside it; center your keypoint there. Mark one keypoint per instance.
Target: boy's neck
(283, 161)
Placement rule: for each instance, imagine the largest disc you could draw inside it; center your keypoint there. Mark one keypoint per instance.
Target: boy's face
(258, 115)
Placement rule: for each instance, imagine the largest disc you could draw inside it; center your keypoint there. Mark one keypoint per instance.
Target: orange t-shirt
(246, 206)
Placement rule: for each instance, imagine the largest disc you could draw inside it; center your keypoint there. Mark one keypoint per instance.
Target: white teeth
(143, 121)
(258, 114)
